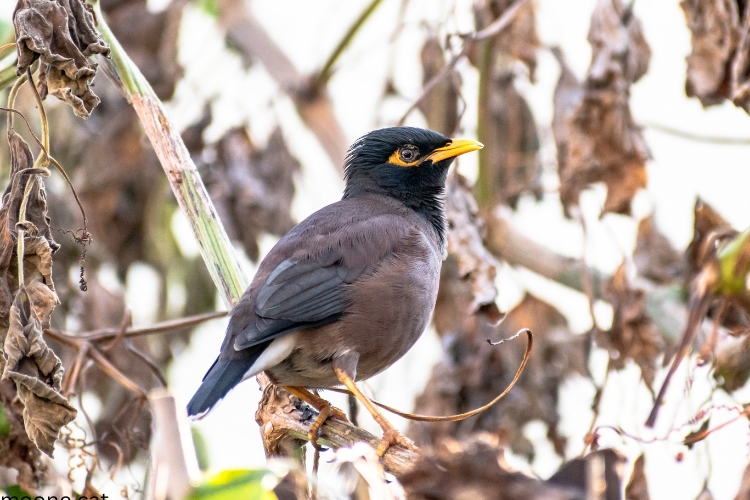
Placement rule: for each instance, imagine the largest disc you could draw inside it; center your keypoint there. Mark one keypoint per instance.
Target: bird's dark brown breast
(389, 306)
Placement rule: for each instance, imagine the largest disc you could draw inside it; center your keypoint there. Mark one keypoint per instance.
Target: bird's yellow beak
(455, 148)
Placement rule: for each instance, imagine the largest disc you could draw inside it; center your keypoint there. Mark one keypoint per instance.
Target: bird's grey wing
(299, 294)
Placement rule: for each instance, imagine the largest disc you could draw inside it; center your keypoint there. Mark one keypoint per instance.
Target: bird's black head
(406, 163)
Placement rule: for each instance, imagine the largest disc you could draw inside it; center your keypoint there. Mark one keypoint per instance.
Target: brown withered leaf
(709, 229)
(633, 335)
(714, 34)
(253, 188)
(655, 257)
(605, 145)
(741, 67)
(637, 488)
(744, 491)
(475, 468)
(511, 159)
(440, 106)
(468, 276)
(61, 34)
(150, 39)
(37, 372)
(472, 373)
(518, 41)
(566, 100)
(599, 471)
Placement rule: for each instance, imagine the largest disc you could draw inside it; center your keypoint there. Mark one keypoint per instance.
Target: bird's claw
(391, 437)
(326, 412)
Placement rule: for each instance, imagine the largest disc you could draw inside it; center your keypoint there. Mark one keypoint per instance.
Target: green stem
(183, 176)
(12, 98)
(484, 184)
(325, 73)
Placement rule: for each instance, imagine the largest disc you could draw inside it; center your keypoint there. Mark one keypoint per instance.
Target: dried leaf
(519, 41)
(599, 471)
(709, 229)
(744, 491)
(440, 106)
(475, 468)
(637, 488)
(604, 144)
(253, 188)
(37, 372)
(633, 335)
(511, 160)
(567, 99)
(654, 256)
(62, 34)
(150, 40)
(714, 34)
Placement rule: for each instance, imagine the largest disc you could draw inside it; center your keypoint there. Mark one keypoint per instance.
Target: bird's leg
(345, 367)
(325, 411)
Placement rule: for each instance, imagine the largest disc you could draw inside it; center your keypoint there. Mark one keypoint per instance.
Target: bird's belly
(389, 312)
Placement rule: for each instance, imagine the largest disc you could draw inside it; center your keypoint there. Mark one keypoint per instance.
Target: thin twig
(493, 29)
(735, 141)
(321, 79)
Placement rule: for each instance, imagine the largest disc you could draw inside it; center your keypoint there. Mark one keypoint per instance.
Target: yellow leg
(390, 435)
(325, 411)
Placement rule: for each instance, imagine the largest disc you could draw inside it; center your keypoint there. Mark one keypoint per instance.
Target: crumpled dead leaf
(440, 105)
(655, 257)
(37, 372)
(633, 335)
(637, 487)
(253, 188)
(471, 372)
(511, 158)
(475, 468)
(603, 143)
(600, 471)
(468, 273)
(26, 359)
(519, 41)
(62, 34)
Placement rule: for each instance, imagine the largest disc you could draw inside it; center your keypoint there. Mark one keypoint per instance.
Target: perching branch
(285, 421)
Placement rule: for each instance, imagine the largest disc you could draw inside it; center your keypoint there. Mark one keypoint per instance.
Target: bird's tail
(223, 375)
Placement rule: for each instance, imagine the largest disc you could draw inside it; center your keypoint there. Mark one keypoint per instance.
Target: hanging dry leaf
(252, 188)
(654, 256)
(633, 335)
(519, 41)
(150, 40)
(37, 372)
(475, 468)
(62, 34)
(566, 100)
(511, 157)
(440, 106)
(604, 144)
(637, 488)
(599, 472)
(714, 34)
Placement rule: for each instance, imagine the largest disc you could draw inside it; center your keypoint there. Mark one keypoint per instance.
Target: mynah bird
(350, 289)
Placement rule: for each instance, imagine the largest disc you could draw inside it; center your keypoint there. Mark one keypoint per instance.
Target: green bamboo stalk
(184, 179)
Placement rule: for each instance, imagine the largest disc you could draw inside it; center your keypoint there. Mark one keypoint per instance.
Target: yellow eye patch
(406, 156)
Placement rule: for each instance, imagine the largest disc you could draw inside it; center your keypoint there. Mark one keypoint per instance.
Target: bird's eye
(408, 153)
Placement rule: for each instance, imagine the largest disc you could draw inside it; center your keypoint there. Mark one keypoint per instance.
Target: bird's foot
(326, 411)
(391, 437)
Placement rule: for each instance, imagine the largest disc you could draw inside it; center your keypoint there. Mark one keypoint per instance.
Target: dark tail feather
(220, 379)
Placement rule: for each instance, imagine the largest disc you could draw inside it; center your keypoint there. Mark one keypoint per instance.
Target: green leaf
(234, 484)
(4, 423)
(210, 7)
(16, 491)
(734, 264)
